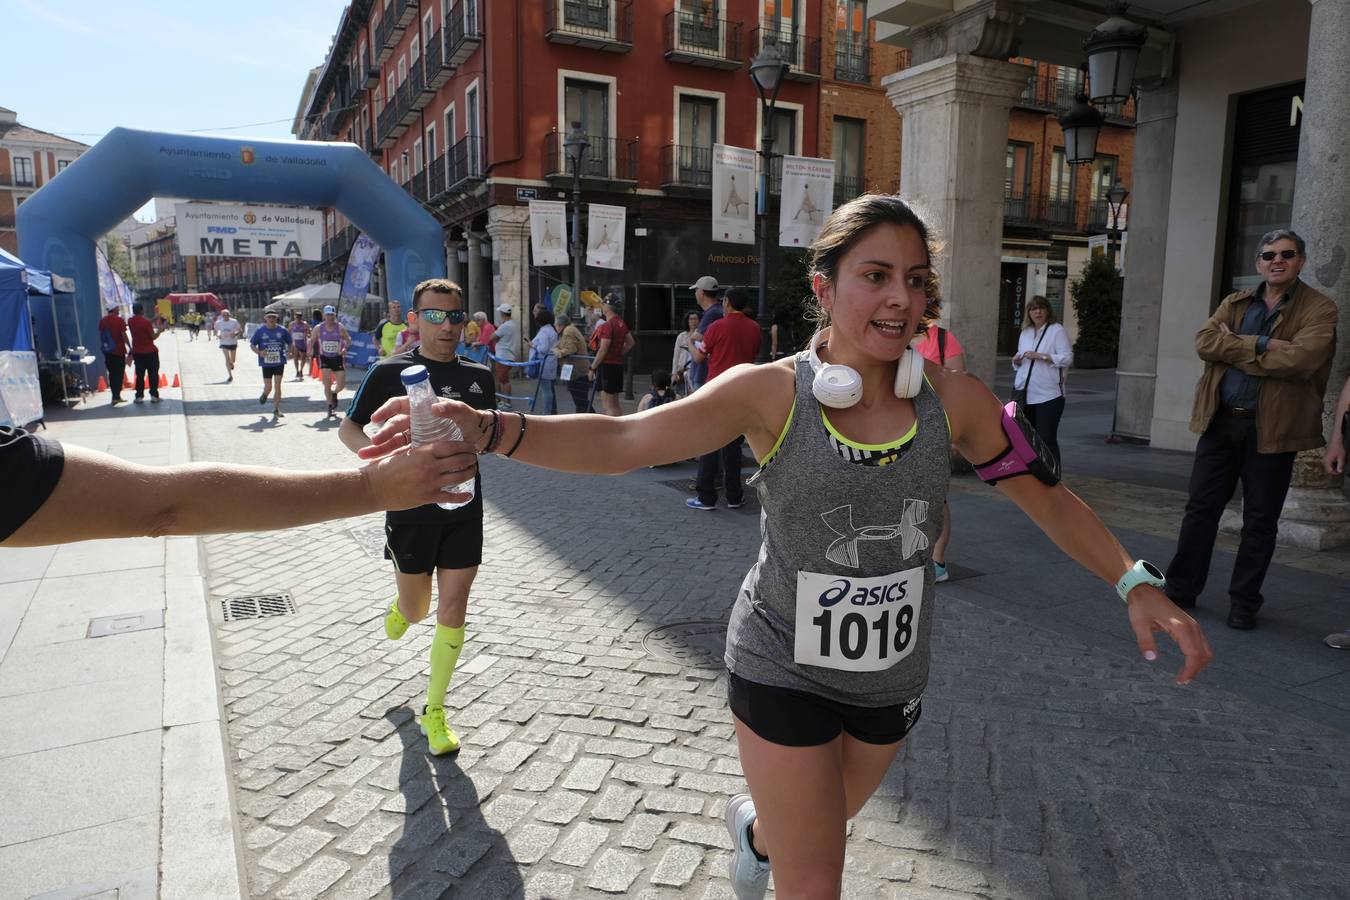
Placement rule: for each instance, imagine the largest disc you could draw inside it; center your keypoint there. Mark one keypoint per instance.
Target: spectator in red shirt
(730, 341)
(112, 333)
(610, 341)
(144, 352)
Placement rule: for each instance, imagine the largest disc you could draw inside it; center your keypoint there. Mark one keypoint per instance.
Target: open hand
(1150, 612)
(395, 427)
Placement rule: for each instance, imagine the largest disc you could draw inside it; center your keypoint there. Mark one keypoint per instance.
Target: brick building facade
(29, 158)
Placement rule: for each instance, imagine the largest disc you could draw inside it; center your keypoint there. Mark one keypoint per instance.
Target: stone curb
(199, 843)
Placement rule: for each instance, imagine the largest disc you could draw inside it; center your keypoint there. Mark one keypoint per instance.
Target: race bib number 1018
(857, 624)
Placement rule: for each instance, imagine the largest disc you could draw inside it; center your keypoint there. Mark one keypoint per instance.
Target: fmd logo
(246, 155)
(250, 218)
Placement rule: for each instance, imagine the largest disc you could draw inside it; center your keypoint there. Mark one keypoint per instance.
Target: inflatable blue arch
(61, 223)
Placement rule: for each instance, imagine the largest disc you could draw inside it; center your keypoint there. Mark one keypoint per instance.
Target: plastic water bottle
(427, 427)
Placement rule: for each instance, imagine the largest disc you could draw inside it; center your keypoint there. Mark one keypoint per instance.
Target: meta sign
(267, 232)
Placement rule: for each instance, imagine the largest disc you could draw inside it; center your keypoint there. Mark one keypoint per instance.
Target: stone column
(1316, 515)
(954, 113)
(509, 228)
(1137, 363)
(476, 285)
(453, 268)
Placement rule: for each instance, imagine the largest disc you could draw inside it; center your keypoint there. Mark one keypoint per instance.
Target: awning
(185, 299)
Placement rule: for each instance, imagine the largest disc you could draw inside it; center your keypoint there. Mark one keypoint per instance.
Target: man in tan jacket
(1267, 356)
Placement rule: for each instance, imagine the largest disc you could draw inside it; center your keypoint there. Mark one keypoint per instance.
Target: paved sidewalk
(598, 752)
(112, 765)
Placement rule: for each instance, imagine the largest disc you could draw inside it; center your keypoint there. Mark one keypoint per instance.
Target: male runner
(270, 343)
(300, 345)
(429, 541)
(330, 342)
(227, 330)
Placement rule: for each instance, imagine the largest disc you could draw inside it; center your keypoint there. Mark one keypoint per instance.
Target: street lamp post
(575, 144)
(767, 72)
(1115, 199)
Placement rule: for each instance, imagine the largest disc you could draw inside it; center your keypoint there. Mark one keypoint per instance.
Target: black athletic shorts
(610, 377)
(273, 371)
(798, 719)
(331, 362)
(421, 549)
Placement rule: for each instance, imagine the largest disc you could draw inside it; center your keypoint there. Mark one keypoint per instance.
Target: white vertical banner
(548, 232)
(733, 194)
(604, 236)
(806, 200)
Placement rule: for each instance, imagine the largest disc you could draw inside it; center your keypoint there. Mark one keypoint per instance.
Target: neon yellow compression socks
(445, 646)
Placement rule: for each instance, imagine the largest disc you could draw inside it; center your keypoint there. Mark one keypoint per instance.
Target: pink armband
(1026, 453)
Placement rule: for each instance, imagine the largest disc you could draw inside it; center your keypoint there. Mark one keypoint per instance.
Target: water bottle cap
(414, 374)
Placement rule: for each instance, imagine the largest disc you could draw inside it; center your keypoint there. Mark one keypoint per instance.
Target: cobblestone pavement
(598, 756)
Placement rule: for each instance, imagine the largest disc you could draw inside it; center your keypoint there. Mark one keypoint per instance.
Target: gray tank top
(840, 602)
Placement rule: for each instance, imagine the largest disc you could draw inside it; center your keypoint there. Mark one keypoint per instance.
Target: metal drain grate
(260, 607)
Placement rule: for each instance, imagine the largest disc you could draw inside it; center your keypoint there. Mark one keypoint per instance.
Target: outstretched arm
(1064, 518)
(1333, 459)
(135, 501)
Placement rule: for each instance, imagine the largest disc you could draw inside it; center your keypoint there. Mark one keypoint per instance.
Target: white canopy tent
(308, 296)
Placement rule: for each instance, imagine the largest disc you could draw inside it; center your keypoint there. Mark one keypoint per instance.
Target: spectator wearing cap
(504, 345)
(610, 341)
(706, 291)
(112, 333)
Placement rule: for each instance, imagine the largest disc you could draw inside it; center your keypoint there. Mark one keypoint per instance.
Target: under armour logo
(844, 551)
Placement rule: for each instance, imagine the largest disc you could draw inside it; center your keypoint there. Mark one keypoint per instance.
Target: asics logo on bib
(844, 551)
(865, 595)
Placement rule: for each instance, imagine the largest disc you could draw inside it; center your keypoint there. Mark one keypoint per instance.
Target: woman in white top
(1043, 357)
(683, 357)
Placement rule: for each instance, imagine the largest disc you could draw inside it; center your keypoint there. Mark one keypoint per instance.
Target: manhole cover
(370, 540)
(260, 607)
(697, 644)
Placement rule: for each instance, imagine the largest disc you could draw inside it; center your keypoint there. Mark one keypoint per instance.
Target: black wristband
(519, 437)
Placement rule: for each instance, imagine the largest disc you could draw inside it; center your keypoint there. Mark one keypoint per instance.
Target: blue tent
(20, 396)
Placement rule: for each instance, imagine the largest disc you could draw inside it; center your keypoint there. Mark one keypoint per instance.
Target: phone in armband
(1026, 453)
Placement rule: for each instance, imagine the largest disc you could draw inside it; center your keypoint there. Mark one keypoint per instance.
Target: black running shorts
(798, 719)
(273, 371)
(421, 549)
(331, 362)
(610, 377)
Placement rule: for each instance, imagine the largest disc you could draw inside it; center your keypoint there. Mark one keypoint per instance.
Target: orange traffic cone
(176, 382)
(313, 368)
(163, 380)
(126, 382)
(102, 384)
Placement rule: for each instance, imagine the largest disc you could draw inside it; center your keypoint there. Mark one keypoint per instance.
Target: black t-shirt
(32, 466)
(462, 380)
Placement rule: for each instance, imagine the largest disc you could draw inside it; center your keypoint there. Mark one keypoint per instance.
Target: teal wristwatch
(1142, 572)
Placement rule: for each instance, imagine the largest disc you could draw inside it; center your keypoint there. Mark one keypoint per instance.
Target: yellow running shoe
(441, 739)
(395, 626)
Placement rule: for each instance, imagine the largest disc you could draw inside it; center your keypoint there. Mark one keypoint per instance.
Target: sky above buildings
(80, 68)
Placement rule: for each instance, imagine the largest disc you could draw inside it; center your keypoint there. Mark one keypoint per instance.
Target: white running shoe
(749, 874)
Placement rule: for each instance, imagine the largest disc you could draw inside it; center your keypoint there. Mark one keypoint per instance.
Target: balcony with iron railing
(8, 179)
(367, 72)
(463, 33)
(393, 24)
(438, 71)
(600, 24)
(465, 163)
(846, 187)
(702, 40)
(1050, 92)
(1030, 210)
(800, 52)
(852, 62)
(412, 96)
(608, 161)
(368, 142)
(418, 186)
(686, 168)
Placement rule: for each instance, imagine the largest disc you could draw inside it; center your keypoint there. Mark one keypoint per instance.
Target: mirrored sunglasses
(1283, 254)
(437, 316)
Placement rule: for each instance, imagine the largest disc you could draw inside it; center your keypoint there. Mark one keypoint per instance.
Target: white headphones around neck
(839, 387)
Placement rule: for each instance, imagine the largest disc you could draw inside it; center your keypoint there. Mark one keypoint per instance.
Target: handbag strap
(1026, 385)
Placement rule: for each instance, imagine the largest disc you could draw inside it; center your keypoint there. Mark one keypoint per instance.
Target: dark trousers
(147, 364)
(1225, 455)
(117, 368)
(580, 389)
(1044, 417)
(728, 461)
